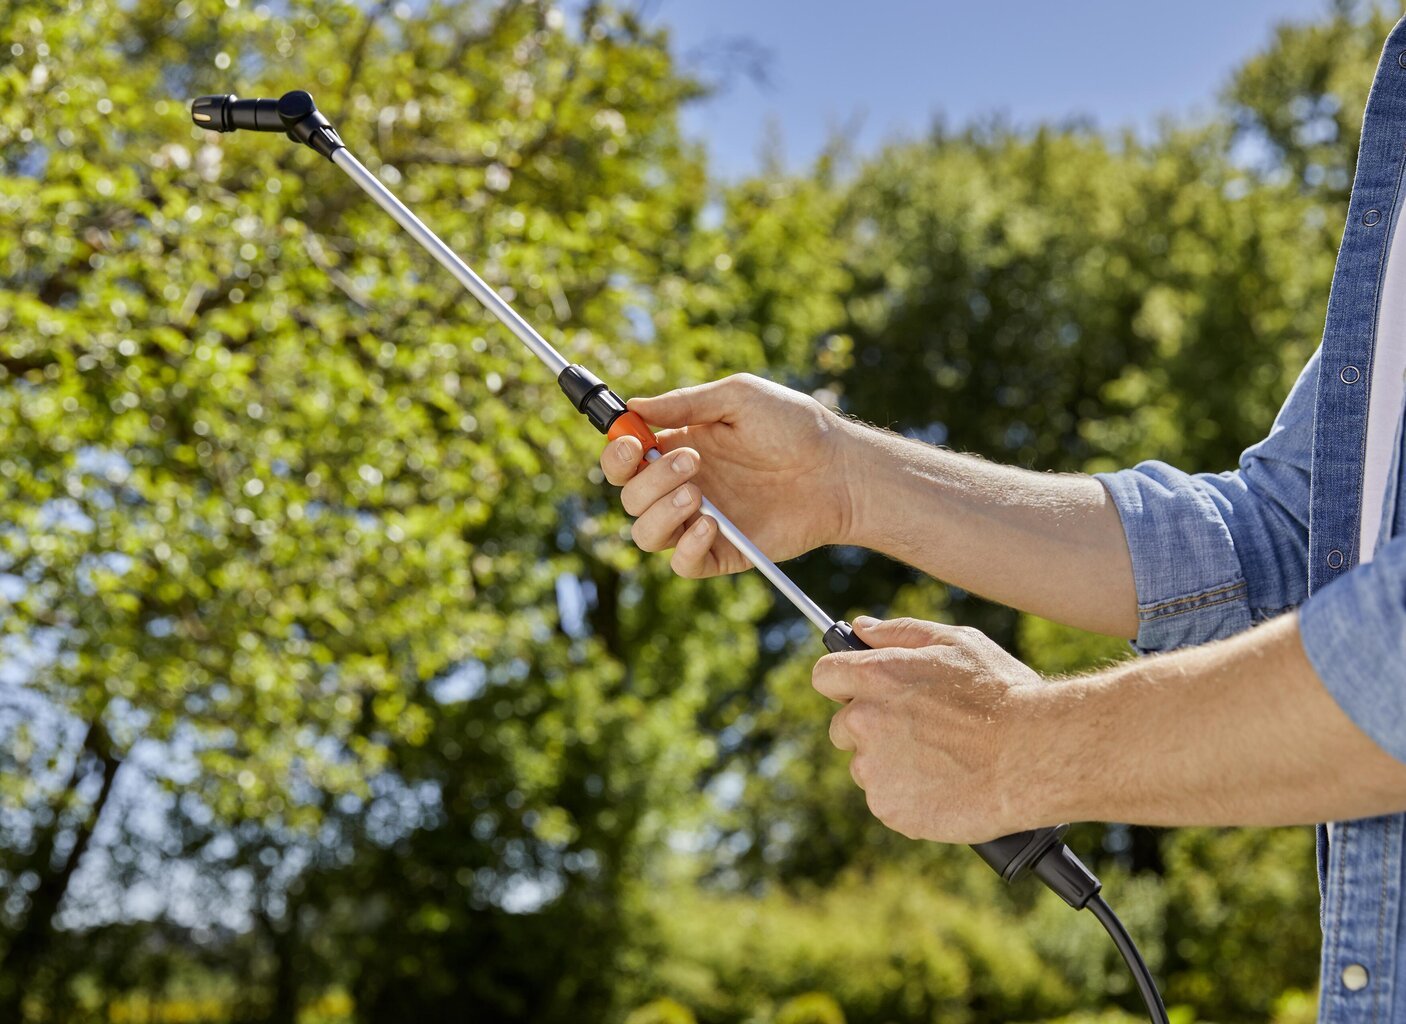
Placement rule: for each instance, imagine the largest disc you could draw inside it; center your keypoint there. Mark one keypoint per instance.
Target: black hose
(1132, 957)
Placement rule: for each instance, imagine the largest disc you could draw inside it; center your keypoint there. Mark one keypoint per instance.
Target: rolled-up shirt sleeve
(1213, 554)
(1354, 633)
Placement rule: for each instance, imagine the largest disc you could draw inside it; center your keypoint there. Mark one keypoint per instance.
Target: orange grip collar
(631, 424)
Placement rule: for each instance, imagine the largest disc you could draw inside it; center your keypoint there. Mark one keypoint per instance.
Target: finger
(701, 552)
(672, 439)
(904, 632)
(621, 460)
(704, 403)
(658, 480)
(836, 676)
(840, 735)
(662, 524)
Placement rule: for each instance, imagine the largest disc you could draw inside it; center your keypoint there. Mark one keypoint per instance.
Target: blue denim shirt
(1214, 554)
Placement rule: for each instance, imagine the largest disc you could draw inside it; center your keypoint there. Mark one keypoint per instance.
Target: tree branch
(358, 50)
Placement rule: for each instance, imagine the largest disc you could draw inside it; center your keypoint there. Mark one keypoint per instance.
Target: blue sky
(889, 66)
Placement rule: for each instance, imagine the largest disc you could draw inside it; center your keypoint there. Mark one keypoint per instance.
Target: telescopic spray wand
(1040, 852)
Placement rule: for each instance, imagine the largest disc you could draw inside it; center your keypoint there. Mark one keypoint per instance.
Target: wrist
(1044, 765)
(857, 461)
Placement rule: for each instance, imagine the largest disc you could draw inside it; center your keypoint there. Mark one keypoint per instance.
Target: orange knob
(631, 424)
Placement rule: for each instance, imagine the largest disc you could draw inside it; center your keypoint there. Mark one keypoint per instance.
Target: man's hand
(934, 716)
(955, 740)
(774, 460)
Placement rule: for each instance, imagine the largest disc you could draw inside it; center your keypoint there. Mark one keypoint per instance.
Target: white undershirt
(1387, 394)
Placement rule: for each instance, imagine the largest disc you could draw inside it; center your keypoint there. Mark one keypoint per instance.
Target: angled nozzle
(294, 113)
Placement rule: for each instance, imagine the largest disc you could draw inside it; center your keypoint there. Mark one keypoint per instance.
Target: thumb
(703, 403)
(905, 632)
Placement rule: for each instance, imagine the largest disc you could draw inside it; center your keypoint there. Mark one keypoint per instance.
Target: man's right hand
(772, 459)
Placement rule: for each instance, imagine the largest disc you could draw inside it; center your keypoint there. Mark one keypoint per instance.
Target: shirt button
(1335, 559)
(1372, 218)
(1350, 374)
(1354, 977)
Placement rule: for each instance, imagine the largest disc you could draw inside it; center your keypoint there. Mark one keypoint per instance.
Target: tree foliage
(283, 508)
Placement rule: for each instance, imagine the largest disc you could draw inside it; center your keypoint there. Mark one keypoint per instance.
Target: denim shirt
(1213, 554)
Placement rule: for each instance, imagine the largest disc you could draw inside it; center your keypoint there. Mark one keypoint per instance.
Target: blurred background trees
(330, 685)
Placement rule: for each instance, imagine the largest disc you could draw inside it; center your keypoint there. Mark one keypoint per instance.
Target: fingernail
(702, 526)
(865, 621)
(622, 451)
(682, 497)
(683, 464)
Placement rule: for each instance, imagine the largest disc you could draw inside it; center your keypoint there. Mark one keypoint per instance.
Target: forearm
(1044, 543)
(1239, 732)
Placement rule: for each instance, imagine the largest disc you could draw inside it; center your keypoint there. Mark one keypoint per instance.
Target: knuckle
(684, 566)
(928, 632)
(970, 634)
(749, 385)
(640, 493)
(640, 536)
(860, 718)
(632, 501)
(859, 770)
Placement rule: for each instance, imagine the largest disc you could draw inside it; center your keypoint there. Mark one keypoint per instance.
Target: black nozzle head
(294, 112)
(212, 112)
(228, 113)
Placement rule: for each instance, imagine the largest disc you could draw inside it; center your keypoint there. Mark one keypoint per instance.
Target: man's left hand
(936, 717)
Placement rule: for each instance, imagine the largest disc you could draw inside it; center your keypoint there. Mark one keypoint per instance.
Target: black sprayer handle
(1010, 856)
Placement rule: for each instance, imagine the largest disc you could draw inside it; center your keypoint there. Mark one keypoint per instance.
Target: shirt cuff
(1354, 633)
(1190, 588)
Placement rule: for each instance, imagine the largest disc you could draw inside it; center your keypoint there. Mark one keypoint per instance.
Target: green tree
(281, 504)
(1298, 105)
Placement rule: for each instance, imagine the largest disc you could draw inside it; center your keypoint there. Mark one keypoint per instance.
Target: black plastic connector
(308, 125)
(840, 637)
(1013, 855)
(1067, 876)
(590, 396)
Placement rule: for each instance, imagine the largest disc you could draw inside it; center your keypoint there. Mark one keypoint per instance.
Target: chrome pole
(764, 565)
(555, 362)
(463, 273)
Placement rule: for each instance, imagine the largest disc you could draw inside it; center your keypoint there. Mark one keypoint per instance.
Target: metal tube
(764, 565)
(510, 319)
(447, 258)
